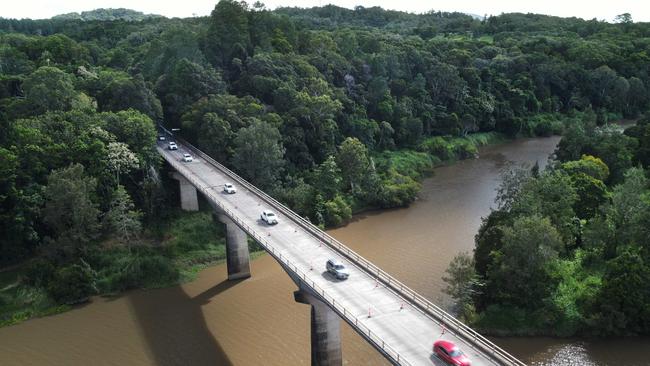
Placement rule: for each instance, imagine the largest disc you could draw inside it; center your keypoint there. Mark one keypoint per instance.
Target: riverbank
(175, 254)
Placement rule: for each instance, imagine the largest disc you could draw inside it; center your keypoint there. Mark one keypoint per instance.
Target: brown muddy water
(256, 322)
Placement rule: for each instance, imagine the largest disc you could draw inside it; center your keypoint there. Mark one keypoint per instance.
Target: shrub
(73, 284)
(439, 147)
(39, 272)
(544, 128)
(397, 190)
(140, 270)
(337, 211)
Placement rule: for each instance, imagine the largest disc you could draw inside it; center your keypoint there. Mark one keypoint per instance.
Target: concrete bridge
(401, 324)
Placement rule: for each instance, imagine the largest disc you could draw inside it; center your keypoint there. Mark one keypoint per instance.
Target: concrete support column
(325, 331)
(189, 198)
(237, 256)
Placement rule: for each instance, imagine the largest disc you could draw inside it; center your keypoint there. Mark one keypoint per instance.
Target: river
(256, 322)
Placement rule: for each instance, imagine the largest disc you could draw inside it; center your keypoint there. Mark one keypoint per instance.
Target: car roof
(446, 345)
(228, 184)
(186, 154)
(268, 212)
(335, 261)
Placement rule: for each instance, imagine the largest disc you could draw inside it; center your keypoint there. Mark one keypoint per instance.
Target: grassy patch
(21, 302)
(411, 163)
(449, 149)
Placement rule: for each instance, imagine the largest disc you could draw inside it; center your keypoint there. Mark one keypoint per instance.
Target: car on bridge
(337, 269)
(162, 138)
(187, 158)
(172, 145)
(450, 353)
(229, 188)
(269, 217)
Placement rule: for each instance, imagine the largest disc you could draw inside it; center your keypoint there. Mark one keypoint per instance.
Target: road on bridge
(405, 329)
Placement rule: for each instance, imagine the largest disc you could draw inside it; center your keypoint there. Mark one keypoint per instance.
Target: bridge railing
(345, 313)
(418, 300)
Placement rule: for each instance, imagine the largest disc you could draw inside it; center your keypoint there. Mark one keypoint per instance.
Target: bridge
(401, 324)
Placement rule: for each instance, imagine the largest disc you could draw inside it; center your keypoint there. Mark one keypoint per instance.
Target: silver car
(187, 158)
(337, 269)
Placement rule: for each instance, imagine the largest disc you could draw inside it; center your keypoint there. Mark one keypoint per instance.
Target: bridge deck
(409, 332)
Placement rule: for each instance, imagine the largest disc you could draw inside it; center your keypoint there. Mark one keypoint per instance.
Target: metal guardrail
(416, 299)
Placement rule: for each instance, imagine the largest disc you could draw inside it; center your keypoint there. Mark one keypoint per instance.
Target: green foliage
(591, 279)
(48, 89)
(122, 219)
(73, 284)
(410, 163)
(520, 271)
(589, 165)
(141, 268)
(107, 14)
(39, 272)
(328, 178)
(336, 211)
(228, 36)
(330, 110)
(258, 153)
(69, 210)
(454, 148)
(397, 190)
(623, 304)
(354, 162)
(462, 281)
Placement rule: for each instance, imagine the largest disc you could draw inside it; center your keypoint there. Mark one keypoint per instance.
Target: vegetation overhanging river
(215, 322)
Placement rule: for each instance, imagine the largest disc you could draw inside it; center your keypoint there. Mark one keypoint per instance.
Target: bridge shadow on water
(173, 325)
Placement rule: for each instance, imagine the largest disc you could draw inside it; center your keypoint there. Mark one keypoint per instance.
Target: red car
(450, 353)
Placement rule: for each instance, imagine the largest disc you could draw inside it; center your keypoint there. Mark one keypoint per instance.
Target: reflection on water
(212, 321)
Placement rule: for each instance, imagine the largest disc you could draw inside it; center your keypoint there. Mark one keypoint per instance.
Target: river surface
(256, 322)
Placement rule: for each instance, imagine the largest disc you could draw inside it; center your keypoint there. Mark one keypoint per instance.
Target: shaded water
(256, 322)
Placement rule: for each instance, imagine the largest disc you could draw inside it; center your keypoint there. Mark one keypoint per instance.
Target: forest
(346, 108)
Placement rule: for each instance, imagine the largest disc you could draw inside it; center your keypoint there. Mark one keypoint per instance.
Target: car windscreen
(270, 214)
(455, 353)
(339, 266)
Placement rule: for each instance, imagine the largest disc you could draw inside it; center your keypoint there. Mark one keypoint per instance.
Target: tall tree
(228, 36)
(69, 209)
(354, 162)
(258, 153)
(49, 88)
(122, 217)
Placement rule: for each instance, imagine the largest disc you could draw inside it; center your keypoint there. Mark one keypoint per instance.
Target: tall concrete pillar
(189, 198)
(237, 256)
(325, 331)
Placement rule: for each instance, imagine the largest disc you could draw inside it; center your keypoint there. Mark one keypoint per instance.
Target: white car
(162, 138)
(187, 158)
(229, 188)
(337, 269)
(172, 146)
(269, 217)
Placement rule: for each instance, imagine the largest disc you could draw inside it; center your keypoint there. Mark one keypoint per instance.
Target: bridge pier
(325, 331)
(237, 256)
(189, 197)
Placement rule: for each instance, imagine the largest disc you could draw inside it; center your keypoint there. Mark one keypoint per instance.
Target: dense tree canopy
(332, 111)
(568, 247)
